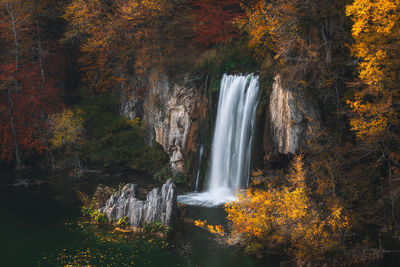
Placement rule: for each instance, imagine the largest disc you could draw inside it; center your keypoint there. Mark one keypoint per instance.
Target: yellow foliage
(376, 30)
(134, 10)
(118, 229)
(136, 123)
(262, 26)
(287, 218)
(214, 229)
(256, 173)
(200, 223)
(66, 128)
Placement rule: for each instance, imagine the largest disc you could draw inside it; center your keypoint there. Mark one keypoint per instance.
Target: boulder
(159, 206)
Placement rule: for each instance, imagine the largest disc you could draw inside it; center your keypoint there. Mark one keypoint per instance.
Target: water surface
(41, 226)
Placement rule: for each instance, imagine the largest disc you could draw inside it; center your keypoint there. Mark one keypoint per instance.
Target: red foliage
(31, 103)
(214, 20)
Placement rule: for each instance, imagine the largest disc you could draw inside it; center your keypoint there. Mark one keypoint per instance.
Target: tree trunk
(394, 219)
(43, 84)
(18, 160)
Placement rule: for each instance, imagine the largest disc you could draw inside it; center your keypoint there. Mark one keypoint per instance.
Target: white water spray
(231, 146)
(199, 167)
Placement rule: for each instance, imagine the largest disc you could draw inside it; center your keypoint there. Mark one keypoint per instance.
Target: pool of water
(41, 226)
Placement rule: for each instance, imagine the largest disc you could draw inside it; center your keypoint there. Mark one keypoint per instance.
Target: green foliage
(113, 139)
(253, 248)
(157, 227)
(99, 217)
(94, 214)
(122, 222)
(165, 174)
(153, 227)
(231, 57)
(87, 211)
(167, 230)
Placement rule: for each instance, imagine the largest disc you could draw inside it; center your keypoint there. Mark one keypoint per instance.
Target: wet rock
(293, 118)
(159, 206)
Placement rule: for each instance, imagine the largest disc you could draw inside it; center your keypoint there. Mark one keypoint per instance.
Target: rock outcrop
(167, 112)
(293, 119)
(159, 206)
(129, 104)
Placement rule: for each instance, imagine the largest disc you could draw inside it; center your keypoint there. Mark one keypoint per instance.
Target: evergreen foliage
(113, 139)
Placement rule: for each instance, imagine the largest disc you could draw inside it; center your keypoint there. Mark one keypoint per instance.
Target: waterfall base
(208, 199)
(232, 142)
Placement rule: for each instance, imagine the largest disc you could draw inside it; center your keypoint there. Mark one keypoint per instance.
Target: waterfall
(231, 146)
(199, 167)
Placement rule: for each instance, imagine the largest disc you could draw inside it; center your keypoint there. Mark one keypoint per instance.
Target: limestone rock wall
(293, 119)
(129, 104)
(174, 111)
(168, 109)
(159, 206)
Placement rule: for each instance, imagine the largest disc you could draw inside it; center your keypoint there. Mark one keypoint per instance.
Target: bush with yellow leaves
(288, 219)
(66, 128)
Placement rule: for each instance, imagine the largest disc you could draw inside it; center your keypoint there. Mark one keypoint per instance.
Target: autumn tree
(214, 21)
(89, 28)
(14, 15)
(375, 105)
(288, 218)
(305, 43)
(376, 30)
(67, 133)
(28, 95)
(119, 38)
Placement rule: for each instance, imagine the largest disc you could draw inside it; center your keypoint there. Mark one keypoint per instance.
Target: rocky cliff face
(129, 104)
(168, 114)
(293, 119)
(168, 109)
(174, 112)
(159, 206)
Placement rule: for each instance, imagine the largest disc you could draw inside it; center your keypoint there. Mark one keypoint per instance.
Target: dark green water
(41, 227)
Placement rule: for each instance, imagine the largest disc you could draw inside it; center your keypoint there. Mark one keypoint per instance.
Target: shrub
(288, 218)
(285, 218)
(231, 57)
(153, 227)
(122, 222)
(165, 174)
(113, 139)
(94, 214)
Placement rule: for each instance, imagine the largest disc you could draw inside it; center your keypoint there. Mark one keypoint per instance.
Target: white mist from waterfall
(232, 141)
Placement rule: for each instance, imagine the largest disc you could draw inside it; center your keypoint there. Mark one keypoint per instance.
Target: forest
(81, 93)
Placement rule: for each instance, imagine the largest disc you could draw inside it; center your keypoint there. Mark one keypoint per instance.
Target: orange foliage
(287, 218)
(376, 31)
(214, 229)
(120, 37)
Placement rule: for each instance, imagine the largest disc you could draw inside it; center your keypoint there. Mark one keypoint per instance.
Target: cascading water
(198, 167)
(231, 146)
